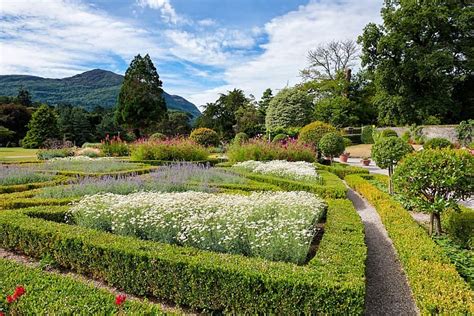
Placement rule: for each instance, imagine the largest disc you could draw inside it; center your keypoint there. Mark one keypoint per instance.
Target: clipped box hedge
(436, 285)
(34, 185)
(136, 171)
(332, 186)
(333, 282)
(52, 294)
(341, 170)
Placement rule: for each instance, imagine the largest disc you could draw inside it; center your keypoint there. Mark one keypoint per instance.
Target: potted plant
(344, 156)
(365, 161)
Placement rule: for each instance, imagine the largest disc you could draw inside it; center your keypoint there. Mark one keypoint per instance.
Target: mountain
(89, 89)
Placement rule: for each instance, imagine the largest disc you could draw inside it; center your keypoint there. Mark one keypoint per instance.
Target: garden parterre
(298, 170)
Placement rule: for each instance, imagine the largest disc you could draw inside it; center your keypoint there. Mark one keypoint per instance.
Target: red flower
(2, 314)
(10, 299)
(120, 299)
(19, 291)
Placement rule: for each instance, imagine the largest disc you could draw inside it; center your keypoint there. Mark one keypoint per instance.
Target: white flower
(299, 170)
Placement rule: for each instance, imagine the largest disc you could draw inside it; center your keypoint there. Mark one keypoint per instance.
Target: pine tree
(43, 125)
(140, 102)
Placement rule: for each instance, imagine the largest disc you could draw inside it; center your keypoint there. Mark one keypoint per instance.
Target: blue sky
(200, 47)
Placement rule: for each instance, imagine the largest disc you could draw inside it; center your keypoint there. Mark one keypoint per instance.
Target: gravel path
(387, 290)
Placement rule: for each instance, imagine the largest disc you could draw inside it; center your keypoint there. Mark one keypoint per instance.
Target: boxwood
(341, 170)
(333, 282)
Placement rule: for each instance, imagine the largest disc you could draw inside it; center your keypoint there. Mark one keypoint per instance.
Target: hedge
(209, 161)
(137, 171)
(33, 185)
(332, 282)
(436, 285)
(341, 170)
(52, 294)
(332, 186)
(27, 199)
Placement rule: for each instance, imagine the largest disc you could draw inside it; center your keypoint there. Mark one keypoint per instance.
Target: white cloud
(167, 11)
(206, 22)
(289, 38)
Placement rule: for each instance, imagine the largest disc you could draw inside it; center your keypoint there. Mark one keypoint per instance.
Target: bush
(436, 285)
(90, 152)
(47, 154)
(406, 136)
(175, 149)
(43, 125)
(435, 180)
(366, 135)
(348, 141)
(331, 145)
(158, 136)
(437, 143)
(261, 150)
(114, 147)
(460, 226)
(342, 170)
(465, 132)
(241, 138)
(205, 137)
(312, 133)
(279, 138)
(388, 133)
(333, 282)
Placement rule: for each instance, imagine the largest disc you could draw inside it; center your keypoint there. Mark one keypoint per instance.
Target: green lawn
(17, 154)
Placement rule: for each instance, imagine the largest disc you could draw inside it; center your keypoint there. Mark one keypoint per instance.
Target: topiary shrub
(347, 142)
(437, 143)
(279, 138)
(312, 133)
(388, 133)
(205, 137)
(435, 180)
(387, 152)
(331, 145)
(158, 136)
(241, 138)
(366, 135)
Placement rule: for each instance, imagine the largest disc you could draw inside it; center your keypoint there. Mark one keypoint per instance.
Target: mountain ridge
(95, 87)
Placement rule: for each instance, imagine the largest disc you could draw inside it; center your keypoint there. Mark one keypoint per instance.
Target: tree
(175, 123)
(435, 180)
(5, 135)
(290, 108)
(42, 126)
(331, 145)
(15, 117)
(420, 60)
(264, 102)
(140, 101)
(387, 152)
(74, 124)
(205, 137)
(24, 97)
(312, 133)
(249, 120)
(329, 59)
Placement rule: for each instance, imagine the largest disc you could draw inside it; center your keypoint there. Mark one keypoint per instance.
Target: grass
(17, 154)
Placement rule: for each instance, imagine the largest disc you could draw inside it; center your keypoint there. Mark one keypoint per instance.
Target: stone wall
(430, 131)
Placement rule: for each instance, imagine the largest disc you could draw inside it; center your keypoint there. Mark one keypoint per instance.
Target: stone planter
(365, 162)
(343, 158)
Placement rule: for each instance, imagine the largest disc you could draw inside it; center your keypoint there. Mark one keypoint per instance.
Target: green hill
(89, 89)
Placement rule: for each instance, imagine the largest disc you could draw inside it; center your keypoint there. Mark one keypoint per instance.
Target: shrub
(437, 143)
(205, 137)
(436, 285)
(90, 152)
(388, 133)
(114, 147)
(331, 145)
(435, 180)
(312, 133)
(406, 136)
(43, 125)
(241, 138)
(169, 150)
(158, 136)
(341, 170)
(261, 150)
(465, 132)
(347, 142)
(460, 226)
(366, 135)
(47, 154)
(279, 138)
(92, 145)
(387, 152)
(431, 120)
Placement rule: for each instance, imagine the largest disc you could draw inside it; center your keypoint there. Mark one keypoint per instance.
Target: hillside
(89, 89)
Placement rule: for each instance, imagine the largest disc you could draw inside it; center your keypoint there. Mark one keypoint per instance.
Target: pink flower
(120, 299)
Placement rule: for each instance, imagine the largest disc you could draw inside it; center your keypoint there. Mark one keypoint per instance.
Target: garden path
(387, 289)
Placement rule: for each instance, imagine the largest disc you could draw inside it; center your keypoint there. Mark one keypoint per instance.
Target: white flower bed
(81, 158)
(272, 225)
(299, 170)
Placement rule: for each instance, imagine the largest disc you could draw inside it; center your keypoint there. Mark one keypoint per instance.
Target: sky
(200, 47)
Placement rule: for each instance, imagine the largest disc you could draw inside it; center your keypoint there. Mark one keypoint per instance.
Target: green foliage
(258, 149)
(437, 143)
(341, 170)
(334, 278)
(388, 133)
(5, 135)
(460, 227)
(428, 78)
(366, 134)
(388, 151)
(436, 285)
(92, 145)
(241, 138)
(53, 294)
(46, 154)
(312, 133)
(249, 119)
(205, 137)
(279, 138)
(158, 136)
(264, 102)
(24, 97)
(332, 145)
(140, 102)
(42, 126)
(465, 132)
(114, 147)
(176, 123)
(431, 120)
(169, 150)
(15, 118)
(337, 110)
(291, 107)
(74, 124)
